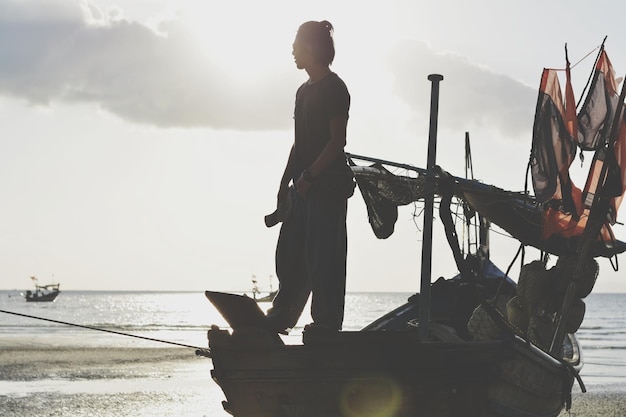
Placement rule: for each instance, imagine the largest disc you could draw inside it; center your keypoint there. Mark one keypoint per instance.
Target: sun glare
(245, 45)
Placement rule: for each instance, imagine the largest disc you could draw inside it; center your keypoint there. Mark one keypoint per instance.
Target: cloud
(471, 96)
(58, 51)
(159, 74)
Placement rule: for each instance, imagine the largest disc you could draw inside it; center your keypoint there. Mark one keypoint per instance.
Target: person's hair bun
(329, 27)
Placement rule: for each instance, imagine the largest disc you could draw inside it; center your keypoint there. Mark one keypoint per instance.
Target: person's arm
(334, 147)
(287, 175)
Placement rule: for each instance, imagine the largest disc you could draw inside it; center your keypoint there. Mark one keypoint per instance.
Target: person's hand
(302, 186)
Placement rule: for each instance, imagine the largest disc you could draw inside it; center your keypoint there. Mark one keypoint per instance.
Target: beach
(52, 379)
(597, 404)
(54, 370)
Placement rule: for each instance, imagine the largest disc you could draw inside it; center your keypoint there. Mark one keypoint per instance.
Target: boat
(266, 298)
(478, 343)
(42, 292)
(260, 296)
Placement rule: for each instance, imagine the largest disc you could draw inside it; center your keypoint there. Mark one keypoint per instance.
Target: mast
(427, 242)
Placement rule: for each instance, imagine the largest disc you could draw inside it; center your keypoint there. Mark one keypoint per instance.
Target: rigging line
(601, 47)
(580, 60)
(585, 57)
(102, 330)
(592, 73)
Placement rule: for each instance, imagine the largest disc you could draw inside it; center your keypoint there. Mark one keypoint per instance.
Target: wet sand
(597, 404)
(43, 379)
(37, 363)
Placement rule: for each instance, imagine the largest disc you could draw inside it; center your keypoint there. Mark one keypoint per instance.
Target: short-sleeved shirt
(316, 105)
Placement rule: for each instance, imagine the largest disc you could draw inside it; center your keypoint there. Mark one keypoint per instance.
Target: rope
(199, 351)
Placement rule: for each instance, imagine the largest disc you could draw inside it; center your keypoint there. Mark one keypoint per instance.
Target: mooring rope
(199, 351)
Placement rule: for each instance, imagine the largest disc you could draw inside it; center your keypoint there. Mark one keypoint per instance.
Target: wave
(588, 345)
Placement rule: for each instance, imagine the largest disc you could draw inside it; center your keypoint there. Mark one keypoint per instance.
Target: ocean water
(186, 389)
(180, 317)
(602, 337)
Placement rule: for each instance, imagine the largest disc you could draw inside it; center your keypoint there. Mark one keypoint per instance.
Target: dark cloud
(470, 96)
(60, 53)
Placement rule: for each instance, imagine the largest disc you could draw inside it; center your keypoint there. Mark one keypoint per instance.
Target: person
(312, 244)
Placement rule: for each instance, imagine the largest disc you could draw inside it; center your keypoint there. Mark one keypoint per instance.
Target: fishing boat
(478, 343)
(261, 296)
(42, 292)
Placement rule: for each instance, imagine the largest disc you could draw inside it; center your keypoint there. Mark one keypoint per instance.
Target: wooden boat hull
(350, 373)
(381, 372)
(42, 297)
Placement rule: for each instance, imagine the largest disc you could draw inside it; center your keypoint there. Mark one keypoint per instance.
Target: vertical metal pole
(429, 200)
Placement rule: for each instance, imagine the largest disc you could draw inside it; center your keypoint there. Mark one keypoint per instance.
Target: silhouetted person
(312, 245)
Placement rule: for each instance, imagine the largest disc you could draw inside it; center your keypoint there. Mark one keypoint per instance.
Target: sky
(142, 141)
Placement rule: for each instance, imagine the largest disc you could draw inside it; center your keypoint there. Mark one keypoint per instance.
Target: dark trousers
(311, 259)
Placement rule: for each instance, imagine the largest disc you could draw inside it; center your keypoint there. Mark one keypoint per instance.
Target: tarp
(553, 146)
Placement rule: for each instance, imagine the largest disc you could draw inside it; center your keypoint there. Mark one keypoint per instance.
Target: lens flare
(371, 396)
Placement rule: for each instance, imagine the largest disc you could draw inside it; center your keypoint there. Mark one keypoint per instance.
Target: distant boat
(260, 296)
(42, 292)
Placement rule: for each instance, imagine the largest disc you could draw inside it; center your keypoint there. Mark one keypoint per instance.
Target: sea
(100, 321)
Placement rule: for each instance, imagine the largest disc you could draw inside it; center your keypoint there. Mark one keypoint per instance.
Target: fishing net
(518, 318)
(481, 326)
(383, 192)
